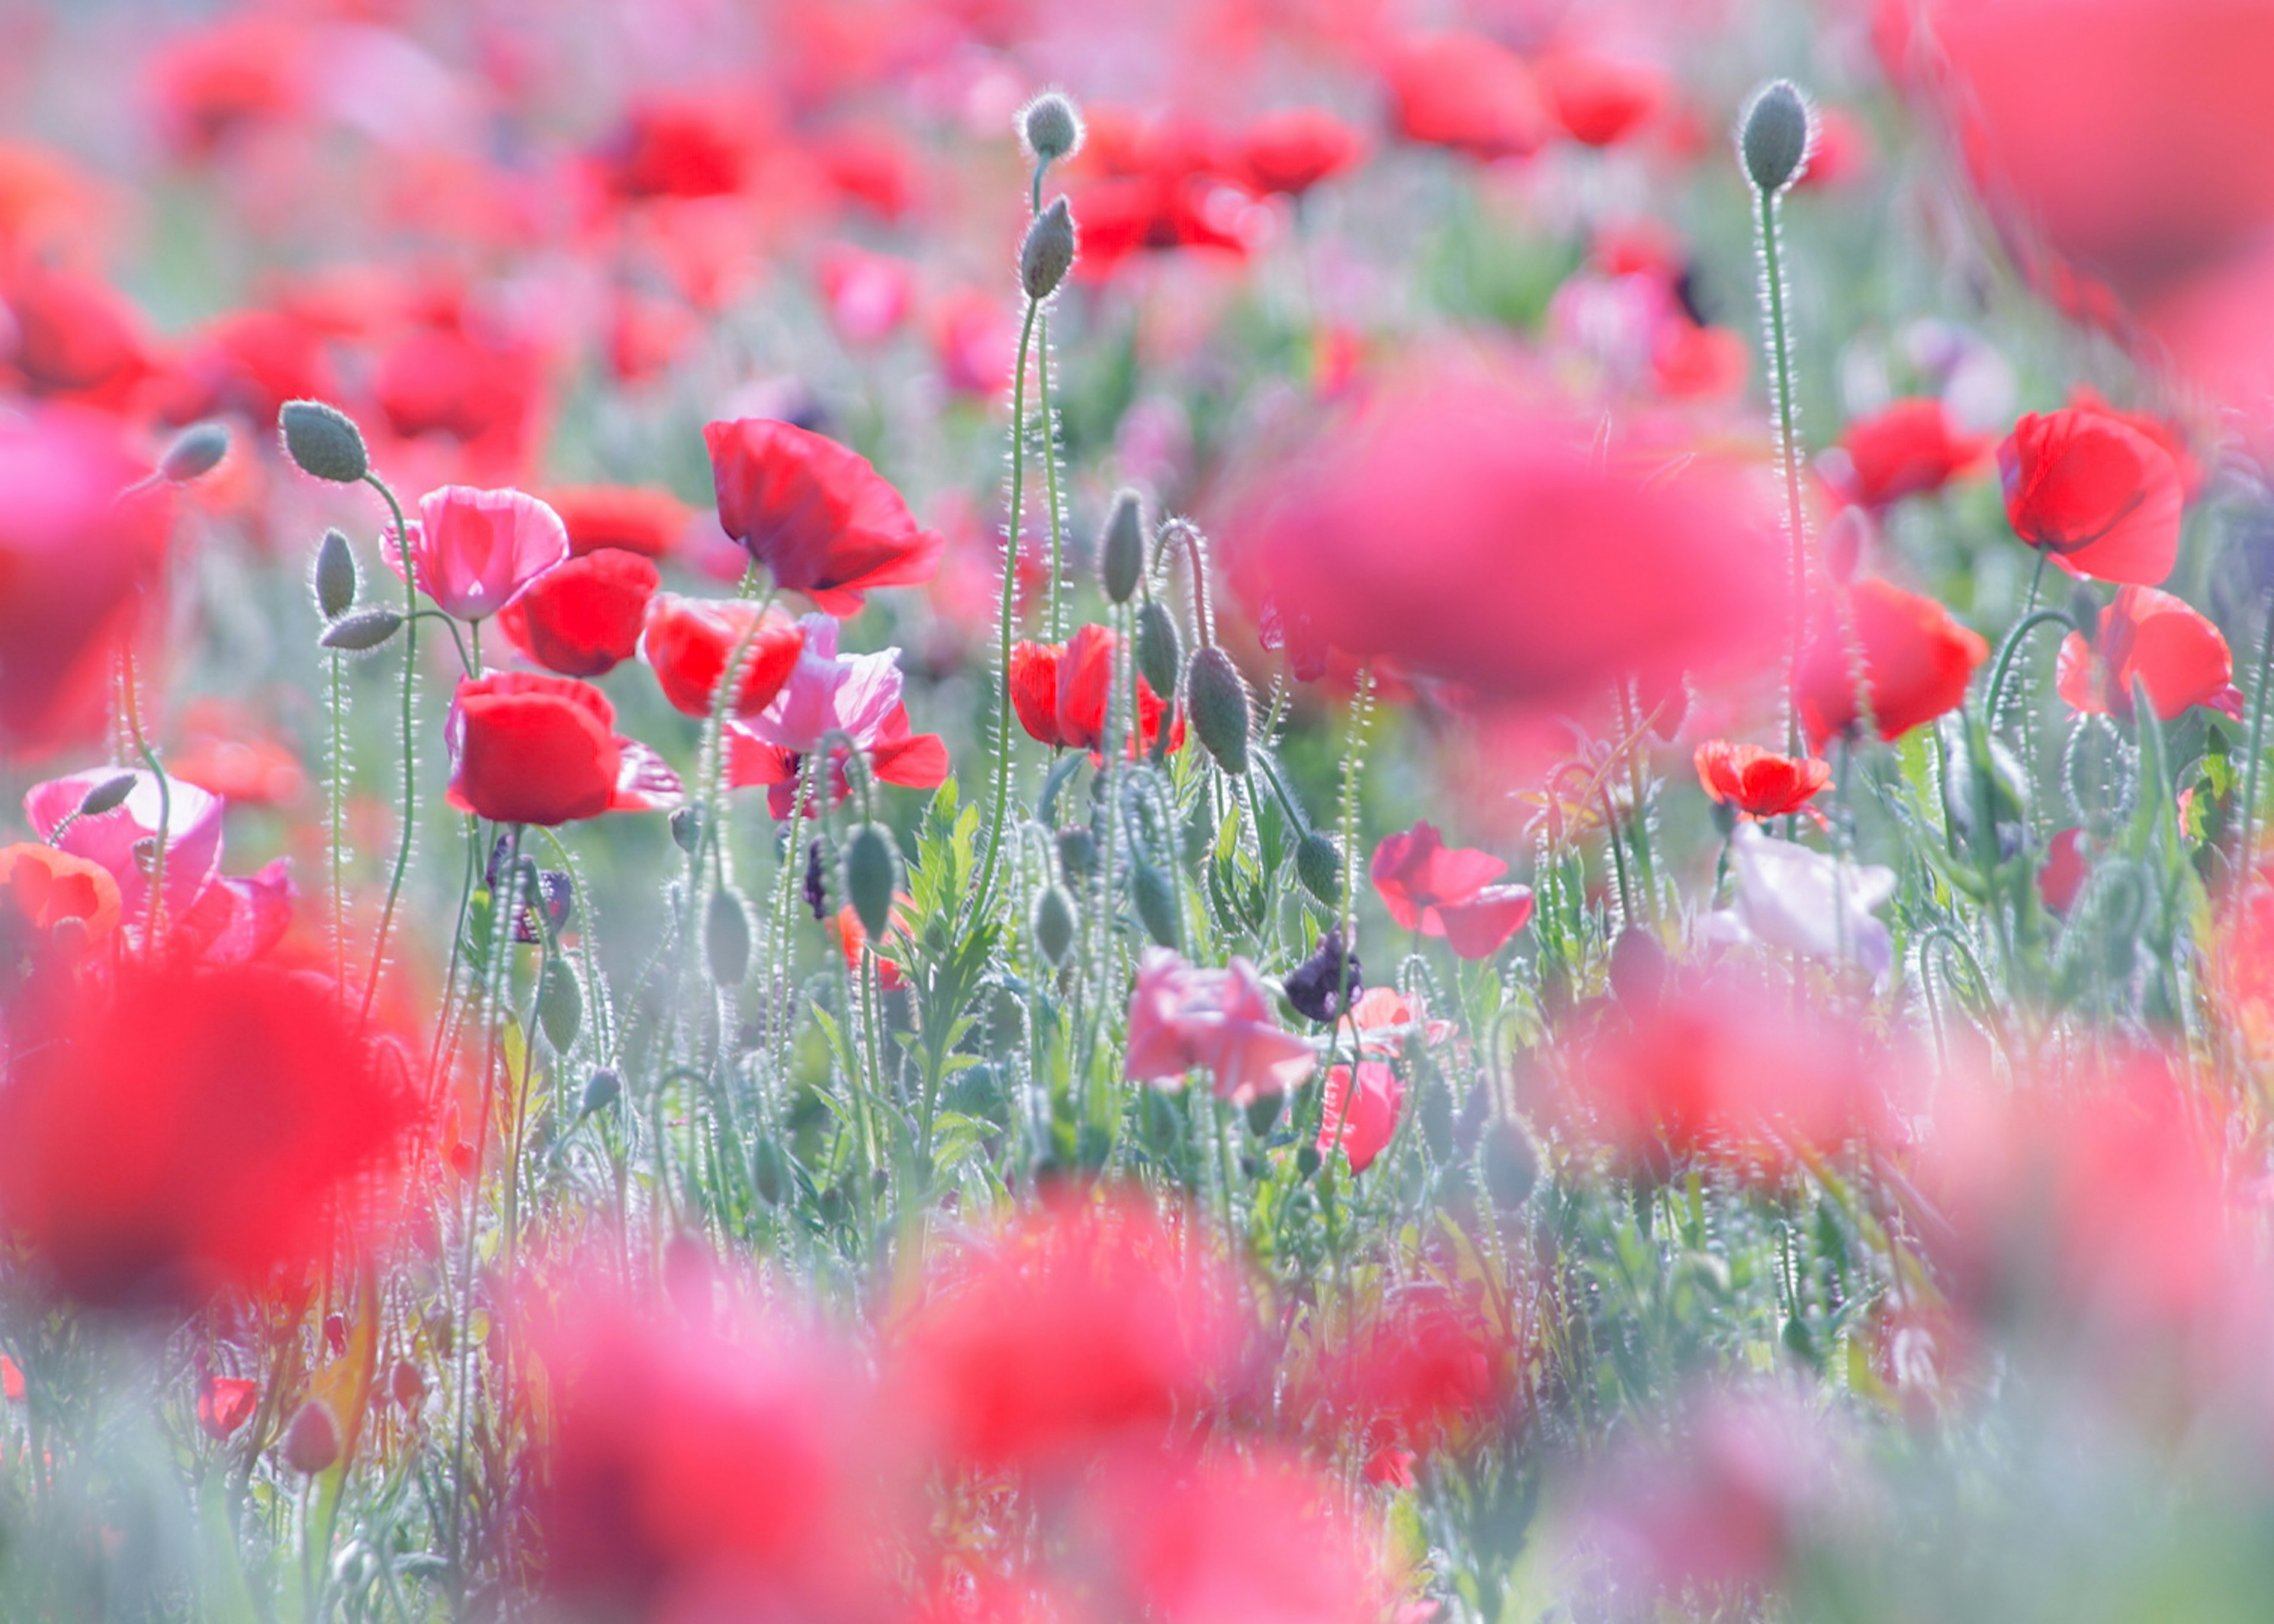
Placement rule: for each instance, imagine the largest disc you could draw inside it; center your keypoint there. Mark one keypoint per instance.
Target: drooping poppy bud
(1047, 253)
(871, 876)
(107, 795)
(1156, 904)
(1510, 1163)
(1077, 853)
(1217, 697)
(1053, 924)
(602, 1089)
(1160, 656)
(816, 887)
(196, 452)
(1775, 136)
(324, 441)
(361, 632)
(1319, 865)
(336, 576)
(560, 1004)
(1121, 552)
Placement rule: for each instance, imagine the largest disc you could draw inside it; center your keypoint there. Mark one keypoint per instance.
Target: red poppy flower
(851, 936)
(526, 749)
(1917, 661)
(12, 1381)
(2066, 866)
(630, 518)
(678, 147)
(443, 380)
(1293, 149)
(249, 361)
(1422, 1369)
(2150, 637)
(2100, 497)
(1447, 891)
(816, 513)
(1362, 1119)
(73, 337)
(1905, 448)
(193, 1128)
(225, 1403)
(584, 616)
(690, 640)
(1468, 93)
(1600, 100)
(1058, 690)
(1759, 783)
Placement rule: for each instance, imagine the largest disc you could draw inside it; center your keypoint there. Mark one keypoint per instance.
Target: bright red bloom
(584, 616)
(1759, 783)
(1293, 149)
(72, 337)
(630, 518)
(475, 551)
(526, 749)
(678, 147)
(690, 640)
(1600, 100)
(2066, 866)
(195, 1128)
(12, 1381)
(1058, 690)
(2150, 637)
(1906, 447)
(1361, 1120)
(2090, 490)
(1917, 661)
(1441, 891)
(851, 937)
(1468, 93)
(485, 394)
(249, 361)
(225, 1403)
(816, 513)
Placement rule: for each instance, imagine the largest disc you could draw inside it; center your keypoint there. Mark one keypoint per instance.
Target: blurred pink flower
(476, 550)
(1360, 1119)
(1181, 1016)
(1441, 891)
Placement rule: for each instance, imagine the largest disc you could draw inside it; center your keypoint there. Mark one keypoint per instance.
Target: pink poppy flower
(1447, 891)
(1181, 1016)
(476, 550)
(856, 694)
(1362, 1119)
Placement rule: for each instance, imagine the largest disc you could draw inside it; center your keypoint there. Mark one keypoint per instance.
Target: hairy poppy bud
(1510, 1165)
(1319, 865)
(871, 876)
(406, 1384)
(1215, 696)
(1160, 657)
(1050, 127)
(362, 631)
(687, 828)
(312, 1443)
(1077, 853)
(1047, 254)
(107, 795)
(727, 939)
(336, 576)
(1263, 1115)
(769, 1173)
(1053, 924)
(602, 1089)
(1156, 904)
(560, 1006)
(324, 441)
(1775, 136)
(1306, 1161)
(196, 452)
(1121, 554)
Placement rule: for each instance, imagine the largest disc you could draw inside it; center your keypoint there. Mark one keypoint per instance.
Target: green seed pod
(196, 452)
(1121, 550)
(560, 1006)
(1216, 701)
(1156, 904)
(1047, 254)
(1510, 1165)
(1053, 924)
(1160, 657)
(336, 576)
(872, 873)
(727, 939)
(1077, 853)
(1775, 136)
(108, 796)
(324, 441)
(602, 1090)
(364, 630)
(1319, 865)
(1050, 127)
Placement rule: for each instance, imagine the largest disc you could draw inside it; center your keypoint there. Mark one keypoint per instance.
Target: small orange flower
(43, 885)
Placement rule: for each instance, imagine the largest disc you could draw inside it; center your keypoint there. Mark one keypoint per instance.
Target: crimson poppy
(1441, 891)
(526, 749)
(225, 1403)
(1906, 447)
(630, 518)
(2152, 639)
(1293, 149)
(1759, 783)
(584, 616)
(1600, 100)
(2067, 865)
(1360, 1119)
(1058, 690)
(688, 640)
(816, 513)
(1917, 661)
(2094, 493)
(1468, 93)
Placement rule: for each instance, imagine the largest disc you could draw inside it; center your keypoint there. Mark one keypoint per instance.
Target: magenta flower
(476, 550)
(856, 695)
(1181, 1016)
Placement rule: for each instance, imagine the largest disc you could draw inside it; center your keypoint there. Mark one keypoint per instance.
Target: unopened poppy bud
(871, 876)
(406, 1384)
(1775, 136)
(1319, 865)
(1047, 254)
(1156, 904)
(1053, 924)
(312, 1443)
(602, 1090)
(362, 631)
(1160, 657)
(727, 939)
(196, 452)
(324, 441)
(687, 828)
(2084, 614)
(1307, 1162)
(1050, 127)
(1077, 853)
(1215, 699)
(1510, 1165)
(107, 796)
(336, 576)
(1121, 554)
(1638, 966)
(768, 1173)
(560, 1006)
(1263, 1115)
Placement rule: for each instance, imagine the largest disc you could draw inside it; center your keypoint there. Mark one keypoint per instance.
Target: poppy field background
(968, 811)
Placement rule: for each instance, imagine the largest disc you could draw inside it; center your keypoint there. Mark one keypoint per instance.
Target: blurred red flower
(1917, 661)
(1291, 149)
(688, 641)
(1423, 1369)
(1441, 891)
(682, 146)
(816, 513)
(1600, 100)
(584, 615)
(2150, 637)
(1362, 1119)
(2068, 862)
(1905, 448)
(225, 1403)
(1058, 690)
(630, 518)
(475, 551)
(1467, 92)
(193, 1128)
(526, 749)
(2099, 497)
(1759, 783)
